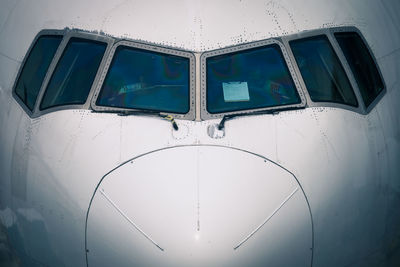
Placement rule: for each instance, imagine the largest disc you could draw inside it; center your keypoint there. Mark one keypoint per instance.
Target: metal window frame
(190, 115)
(337, 50)
(27, 54)
(203, 83)
(351, 29)
(68, 35)
(201, 105)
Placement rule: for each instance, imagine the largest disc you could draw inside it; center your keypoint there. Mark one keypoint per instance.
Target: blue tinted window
(249, 79)
(362, 65)
(35, 68)
(322, 72)
(141, 79)
(74, 74)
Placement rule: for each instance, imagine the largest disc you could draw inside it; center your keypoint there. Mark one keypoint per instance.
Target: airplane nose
(199, 206)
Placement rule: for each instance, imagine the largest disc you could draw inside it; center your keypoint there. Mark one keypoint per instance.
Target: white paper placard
(235, 91)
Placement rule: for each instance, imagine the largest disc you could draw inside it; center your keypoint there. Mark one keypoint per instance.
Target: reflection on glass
(35, 68)
(255, 78)
(322, 72)
(361, 64)
(74, 74)
(141, 79)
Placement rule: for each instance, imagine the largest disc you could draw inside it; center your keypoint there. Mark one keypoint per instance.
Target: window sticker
(236, 91)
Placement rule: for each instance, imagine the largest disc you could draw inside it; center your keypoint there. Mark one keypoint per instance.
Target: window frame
(205, 115)
(337, 50)
(197, 62)
(30, 112)
(190, 115)
(365, 109)
(68, 35)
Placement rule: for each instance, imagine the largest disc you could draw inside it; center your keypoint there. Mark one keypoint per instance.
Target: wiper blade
(138, 112)
(151, 112)
(221, 125)
(145, 112)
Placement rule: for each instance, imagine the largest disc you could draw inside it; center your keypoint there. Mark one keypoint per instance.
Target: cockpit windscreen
(142, 79)
(250, 79)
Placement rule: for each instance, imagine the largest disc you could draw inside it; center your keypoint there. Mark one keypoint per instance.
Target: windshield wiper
(146, 113)
(221, 125)
(151, 112)
(171, 119)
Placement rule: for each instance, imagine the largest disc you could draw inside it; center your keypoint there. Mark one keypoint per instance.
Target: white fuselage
(322, 182)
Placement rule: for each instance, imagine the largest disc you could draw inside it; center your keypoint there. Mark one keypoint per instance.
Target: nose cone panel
(199, 206)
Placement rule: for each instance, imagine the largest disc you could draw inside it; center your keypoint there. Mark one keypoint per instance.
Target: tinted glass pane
(74, 74)
(362, 65)
(322, 72)
(143, 79)
(35, 68)
(250, 79)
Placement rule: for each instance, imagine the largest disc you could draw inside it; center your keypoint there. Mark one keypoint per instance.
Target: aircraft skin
(317, 186)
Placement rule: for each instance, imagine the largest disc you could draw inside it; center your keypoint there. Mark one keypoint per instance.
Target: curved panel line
(129, 220)
(198, 145)
(267, 219)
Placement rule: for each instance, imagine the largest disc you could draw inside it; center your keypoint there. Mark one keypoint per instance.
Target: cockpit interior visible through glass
(249, 79)
(74, 75)
(362, 65)
(146, 80)
(322, 72)
(35, 68)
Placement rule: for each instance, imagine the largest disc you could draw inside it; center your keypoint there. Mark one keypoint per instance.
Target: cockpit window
(249, 79)
(362, 65)
(74, 74)
(136, 78)
(147, 80)
(324, 76)
(35, 68)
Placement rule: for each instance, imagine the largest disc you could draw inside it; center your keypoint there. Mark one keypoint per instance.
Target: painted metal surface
(220, 207)
(345, 162)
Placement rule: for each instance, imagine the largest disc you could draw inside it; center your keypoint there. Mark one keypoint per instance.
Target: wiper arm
(221, 125)
(146, 112)
(172, 120)
(151, 112)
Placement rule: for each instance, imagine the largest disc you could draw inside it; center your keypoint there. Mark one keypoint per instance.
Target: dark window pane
(249, 79)
(35, 68)
(74, 74)
(322, 72)
(361, 64)
(141, 79)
